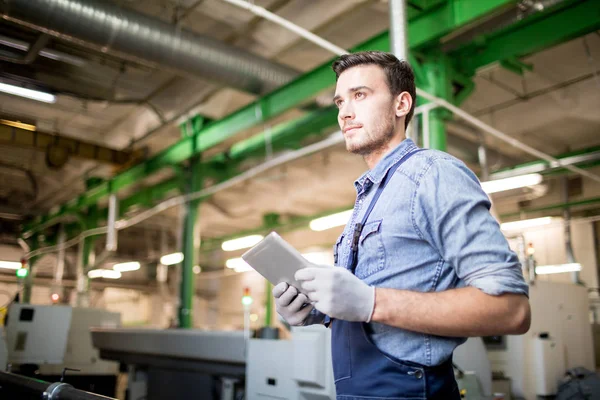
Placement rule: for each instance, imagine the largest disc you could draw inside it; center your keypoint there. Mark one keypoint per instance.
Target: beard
(375, 139)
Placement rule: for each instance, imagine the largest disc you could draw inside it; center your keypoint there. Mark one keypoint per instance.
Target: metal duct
(106, 27)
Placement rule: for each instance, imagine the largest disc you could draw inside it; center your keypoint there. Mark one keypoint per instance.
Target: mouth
(351, 128)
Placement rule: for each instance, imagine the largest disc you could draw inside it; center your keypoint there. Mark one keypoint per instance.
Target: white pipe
(266, 14)
(425, 119)
(60, 261)
(113, 212)
(398, 31)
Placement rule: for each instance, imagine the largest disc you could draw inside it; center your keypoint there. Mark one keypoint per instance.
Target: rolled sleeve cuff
(495, 285)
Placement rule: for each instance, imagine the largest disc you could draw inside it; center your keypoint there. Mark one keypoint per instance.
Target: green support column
(190, 248)
(28, 284)
(268, 304)
(83, 281)
(437, 72)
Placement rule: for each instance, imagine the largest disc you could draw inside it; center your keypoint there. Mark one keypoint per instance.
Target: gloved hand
(289, 304)
(338, 293)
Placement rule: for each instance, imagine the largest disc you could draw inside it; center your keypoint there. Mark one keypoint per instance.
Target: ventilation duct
(107, 27)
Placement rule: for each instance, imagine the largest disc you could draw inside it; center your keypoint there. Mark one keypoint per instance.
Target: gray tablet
(276, 260)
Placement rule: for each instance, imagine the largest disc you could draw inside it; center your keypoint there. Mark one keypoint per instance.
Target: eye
(359, 95)
(339, 103)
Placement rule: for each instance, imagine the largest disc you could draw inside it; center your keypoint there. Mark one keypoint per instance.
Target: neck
(373, 158)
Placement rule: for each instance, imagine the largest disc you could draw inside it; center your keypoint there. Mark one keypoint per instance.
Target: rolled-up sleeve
(450, 210)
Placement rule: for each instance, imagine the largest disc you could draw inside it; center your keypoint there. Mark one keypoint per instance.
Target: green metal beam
(194, 184)
(560, 206)
(427, 28)
(285, 135)
(545, 168)
(424, 30)
(149, 195)
(540, 31)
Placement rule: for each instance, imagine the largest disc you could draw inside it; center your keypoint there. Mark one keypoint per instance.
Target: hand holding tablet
(277, 260)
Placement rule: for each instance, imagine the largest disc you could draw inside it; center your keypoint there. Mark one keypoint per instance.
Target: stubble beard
(375, 139)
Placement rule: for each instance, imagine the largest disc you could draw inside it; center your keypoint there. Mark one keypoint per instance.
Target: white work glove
(291, 304)
(337, 293)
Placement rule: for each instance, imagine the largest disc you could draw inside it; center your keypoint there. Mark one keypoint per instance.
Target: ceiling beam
(22, 135)
(569, 20)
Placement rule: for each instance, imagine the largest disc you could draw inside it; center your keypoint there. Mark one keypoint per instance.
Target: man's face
(366, 109)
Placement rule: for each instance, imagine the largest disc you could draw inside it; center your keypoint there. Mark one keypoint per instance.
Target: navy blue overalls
(363, 372)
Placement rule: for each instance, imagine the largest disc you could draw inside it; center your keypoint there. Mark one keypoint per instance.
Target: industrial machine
(177, 363)
(296, 369)
(3, 350)
(560, 338)
(213, 365)
(190, 364)
(47, 342)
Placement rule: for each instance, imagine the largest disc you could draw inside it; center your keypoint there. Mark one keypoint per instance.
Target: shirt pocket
(337, 249)
(371, 254)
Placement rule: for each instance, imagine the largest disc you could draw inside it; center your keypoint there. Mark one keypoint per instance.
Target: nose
(346, 112)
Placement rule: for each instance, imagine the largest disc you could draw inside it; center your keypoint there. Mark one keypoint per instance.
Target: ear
(403, 104)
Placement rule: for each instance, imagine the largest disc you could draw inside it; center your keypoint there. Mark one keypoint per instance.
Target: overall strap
(359, 226)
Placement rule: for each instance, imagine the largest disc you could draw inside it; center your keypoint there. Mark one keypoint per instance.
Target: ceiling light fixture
(10, 264)
(127, 266)
(330, 221)
(527, 223)
(17, 124)
(515, 182)
(104, 273)
(28, 93)
(557, 269)
(171, 259)
(238, 265)
(241, 243)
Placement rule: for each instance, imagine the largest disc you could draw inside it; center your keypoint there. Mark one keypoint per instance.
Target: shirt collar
(375, 176)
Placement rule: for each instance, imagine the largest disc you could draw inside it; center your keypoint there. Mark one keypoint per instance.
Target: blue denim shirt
(430, 231)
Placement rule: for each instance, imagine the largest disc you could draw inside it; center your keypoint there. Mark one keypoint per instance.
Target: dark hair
(399, 74)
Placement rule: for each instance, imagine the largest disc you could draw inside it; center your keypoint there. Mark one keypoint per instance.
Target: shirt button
(418, 374)
(360, 201)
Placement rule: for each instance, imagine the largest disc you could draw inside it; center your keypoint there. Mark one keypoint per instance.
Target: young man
(422, 263)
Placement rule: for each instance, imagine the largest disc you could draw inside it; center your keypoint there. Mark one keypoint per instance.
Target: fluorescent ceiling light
(127, 266)
(10, 264)
(515, 182)
(241, 243)
(104, 273)
(238, 265)
(330, 221)
(243, 268)
(526, 223)
(557, 269)
(171, 259)
(28, 93)
(17, 124)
